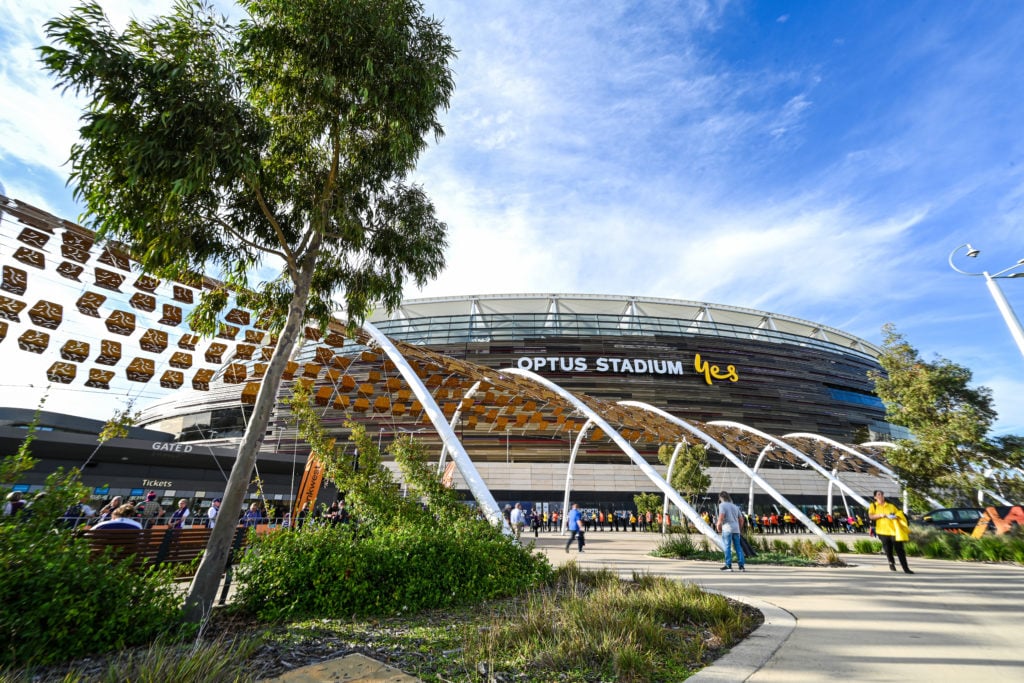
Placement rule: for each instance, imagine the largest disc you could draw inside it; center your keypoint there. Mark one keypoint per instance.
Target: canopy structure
(102, 324)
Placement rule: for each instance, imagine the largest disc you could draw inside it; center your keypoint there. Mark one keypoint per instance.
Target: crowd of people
(522, 518)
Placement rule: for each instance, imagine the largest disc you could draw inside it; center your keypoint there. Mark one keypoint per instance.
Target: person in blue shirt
(575, 528)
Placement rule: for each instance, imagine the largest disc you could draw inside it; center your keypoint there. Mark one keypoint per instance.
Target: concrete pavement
(949, 621)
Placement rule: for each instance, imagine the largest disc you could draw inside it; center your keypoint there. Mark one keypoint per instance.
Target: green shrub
(332, 572)
(867, 546)
(994, 548)
(971, 551)
(676, 546)
(60, 603)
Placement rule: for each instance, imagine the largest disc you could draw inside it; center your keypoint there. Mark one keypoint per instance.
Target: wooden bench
(154, 546)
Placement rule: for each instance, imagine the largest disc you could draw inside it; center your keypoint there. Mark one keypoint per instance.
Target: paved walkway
(949, 621)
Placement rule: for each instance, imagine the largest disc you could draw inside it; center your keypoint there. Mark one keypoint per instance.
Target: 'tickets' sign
(634, 366)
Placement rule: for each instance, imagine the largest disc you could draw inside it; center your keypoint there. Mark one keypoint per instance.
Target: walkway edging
(744, 660)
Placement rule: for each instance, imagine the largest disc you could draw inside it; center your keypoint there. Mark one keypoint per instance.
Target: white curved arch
(992, 494)
(846, 449)
(564, 520)
(811, 462)
(474, 481)
(668, 478)
(455, 418)
(626, 448)
(858, 454)
(757, 465)
(707, 438)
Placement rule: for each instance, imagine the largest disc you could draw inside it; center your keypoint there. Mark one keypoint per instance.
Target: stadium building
(513, 388)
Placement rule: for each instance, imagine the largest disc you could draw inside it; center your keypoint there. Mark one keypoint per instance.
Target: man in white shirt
(213, 512)
(517, 520)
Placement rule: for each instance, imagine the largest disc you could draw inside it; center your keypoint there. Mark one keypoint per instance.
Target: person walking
(891, 528)
(575, 528)
(730, 525)
(517, 518)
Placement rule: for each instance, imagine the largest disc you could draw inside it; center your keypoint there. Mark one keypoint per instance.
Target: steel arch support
(476, 484)
(797, 454)
(857, 454)
(455, 418)
(765, 486)
(621, 442)
(668, 478)
(757, 464)
(563, 521)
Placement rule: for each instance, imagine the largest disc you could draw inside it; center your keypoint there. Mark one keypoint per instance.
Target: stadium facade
(514, 387)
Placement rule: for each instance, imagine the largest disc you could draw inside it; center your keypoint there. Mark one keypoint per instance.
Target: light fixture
(997, 294)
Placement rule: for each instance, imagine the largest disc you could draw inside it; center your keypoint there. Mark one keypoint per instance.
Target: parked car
(952, 519)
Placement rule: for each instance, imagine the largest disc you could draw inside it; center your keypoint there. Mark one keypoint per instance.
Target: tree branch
(241, 238)
(288, 255)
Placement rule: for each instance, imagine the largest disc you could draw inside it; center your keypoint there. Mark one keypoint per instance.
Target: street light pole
(997, 294)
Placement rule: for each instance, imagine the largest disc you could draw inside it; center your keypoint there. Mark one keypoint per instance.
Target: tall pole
(1008, 315)
(997, 293)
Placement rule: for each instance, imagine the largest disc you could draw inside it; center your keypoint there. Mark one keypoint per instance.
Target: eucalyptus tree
(948, 418)
(690, 474)
(281, 140)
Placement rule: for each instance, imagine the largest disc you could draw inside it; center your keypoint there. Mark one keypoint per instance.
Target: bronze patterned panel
(245, 351)
(311, 370)
(188, 341)
(33, 341)
(3, 330)
(15, 280)
(154, 341)
(140, 370)
(62, 373)
(183, 294)
(324, 355)
(249, 393)
(109, 280)
(33, 238)
(201, 380)
(77, 240)
(172, 379)
(70, 271)
(254, 337)
(46, 314)
(99, 379)
(258, 370)
(10, 308)
(171, 316)
(147, 284)
(226, 331)
(235, 373)
(114, 259)
(143, 302)
(89, 304)
(238, 316)
(181, 360)
(31, 257)
(121, 322)
(110, 352)
(312, 333)
(335, 339)
(74, 350)
(73, 253)
(215, 353)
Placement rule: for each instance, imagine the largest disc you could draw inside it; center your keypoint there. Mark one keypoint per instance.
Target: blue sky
(819, 160)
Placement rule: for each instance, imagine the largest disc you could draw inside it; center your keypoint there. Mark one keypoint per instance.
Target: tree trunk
(203, 589)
